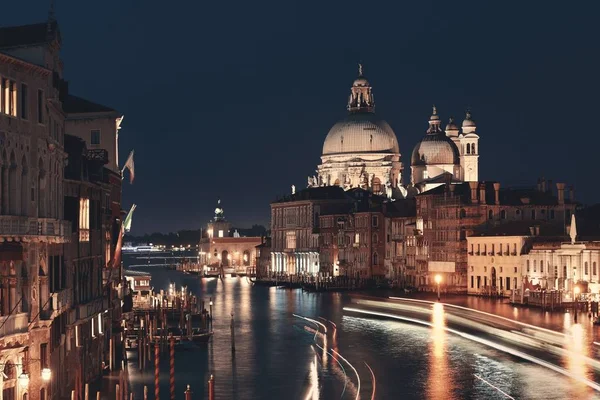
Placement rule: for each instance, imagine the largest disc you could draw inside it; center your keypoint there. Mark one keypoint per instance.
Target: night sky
(233, 99)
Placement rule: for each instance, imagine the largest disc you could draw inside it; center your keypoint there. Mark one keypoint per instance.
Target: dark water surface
(276, 358)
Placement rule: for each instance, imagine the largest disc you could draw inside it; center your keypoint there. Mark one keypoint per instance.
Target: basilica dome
(361, 132)
(435, 147)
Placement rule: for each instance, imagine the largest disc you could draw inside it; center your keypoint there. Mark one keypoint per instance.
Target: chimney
(482, 193)
(560, 187)
(473, 186)
(572, 193)
(497, 193)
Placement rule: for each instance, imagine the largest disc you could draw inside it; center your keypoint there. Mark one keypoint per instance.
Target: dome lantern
(361, 94)
(468, 124)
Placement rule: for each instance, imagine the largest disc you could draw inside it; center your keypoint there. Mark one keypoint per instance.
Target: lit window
(290, 240)
(221, 233)
(77, 344)
(95, 136)
(100, 323)
(425, 174)
(84, 220)
(357, 238)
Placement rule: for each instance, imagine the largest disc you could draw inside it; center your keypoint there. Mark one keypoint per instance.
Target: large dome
(361, 132)
(435, 149)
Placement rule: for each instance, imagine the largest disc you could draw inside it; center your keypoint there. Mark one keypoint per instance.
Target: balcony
(99, 155)
(27, 228)
(13, 324)
(61, 301)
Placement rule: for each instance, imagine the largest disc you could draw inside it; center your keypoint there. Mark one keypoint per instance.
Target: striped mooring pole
(211, 388)
(172, 368)
(156, 370)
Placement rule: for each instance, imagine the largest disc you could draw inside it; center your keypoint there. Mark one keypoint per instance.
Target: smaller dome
(435, 149)
(451, 125)
(468, 122)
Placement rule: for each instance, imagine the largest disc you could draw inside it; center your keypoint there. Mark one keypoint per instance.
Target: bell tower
(469, 142)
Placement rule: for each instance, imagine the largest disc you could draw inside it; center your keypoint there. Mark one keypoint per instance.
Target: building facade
(33, 232)
(221, 249)
(448, 214)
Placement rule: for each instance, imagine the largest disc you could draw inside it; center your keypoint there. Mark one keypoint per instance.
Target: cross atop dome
(361, 95)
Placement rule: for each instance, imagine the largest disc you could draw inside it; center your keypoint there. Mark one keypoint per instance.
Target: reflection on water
(274, 359)
(439, 379)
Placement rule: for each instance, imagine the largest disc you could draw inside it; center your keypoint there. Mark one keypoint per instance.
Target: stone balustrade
(12, 324)
(18, 228)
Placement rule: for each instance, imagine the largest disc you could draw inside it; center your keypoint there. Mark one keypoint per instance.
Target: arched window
(10, 374)
(225, 258)
(12, 185)
(376, 185)
(491, 214)
(463, 213)
(503, 214)
(534, 265)
(375, 259)
(565, 272)
(336, 183)
(585, 268)
(463, 234)
(468, 148)
(473, 149)
(24, 187)
(41, 197)
(527, 265)
(541, 265)
(375, 238)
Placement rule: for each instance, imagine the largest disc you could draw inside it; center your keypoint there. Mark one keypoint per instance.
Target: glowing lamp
(24, 380)
(438, 279)
(211, 303)
(577, 290)
(46, 374)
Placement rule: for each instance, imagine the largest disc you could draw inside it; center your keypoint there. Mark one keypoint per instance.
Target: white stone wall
(488, 255)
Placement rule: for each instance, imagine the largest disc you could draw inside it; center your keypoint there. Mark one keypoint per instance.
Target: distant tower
(469, 150)
(218, 226)
(453, 133)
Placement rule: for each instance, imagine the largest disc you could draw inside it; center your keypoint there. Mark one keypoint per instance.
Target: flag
(130, 166)
(128, 219)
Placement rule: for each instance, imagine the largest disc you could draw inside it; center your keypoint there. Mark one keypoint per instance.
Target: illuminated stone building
(361, 151)
(221, 248)
(87, 207)
(447, 214)
(450, 156)
(33, 232)
(496, 254)
(98, 126)
(295, 223)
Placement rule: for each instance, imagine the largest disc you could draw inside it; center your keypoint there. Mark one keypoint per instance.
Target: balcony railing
(61, 301)
(11, 225)
(16, 323)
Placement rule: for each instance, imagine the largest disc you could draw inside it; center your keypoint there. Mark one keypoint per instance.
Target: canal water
(276, 356)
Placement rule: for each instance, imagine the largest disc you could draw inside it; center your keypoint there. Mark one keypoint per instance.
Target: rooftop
(78, 105)
(25, 35)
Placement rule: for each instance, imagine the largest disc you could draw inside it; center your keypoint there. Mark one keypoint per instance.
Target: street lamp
(438, 280)
(24, 380)
(46, 374)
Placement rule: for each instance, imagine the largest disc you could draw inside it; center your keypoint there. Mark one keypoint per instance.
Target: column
(12, 284)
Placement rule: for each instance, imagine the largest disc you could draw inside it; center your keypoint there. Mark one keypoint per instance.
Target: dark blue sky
(234, 99)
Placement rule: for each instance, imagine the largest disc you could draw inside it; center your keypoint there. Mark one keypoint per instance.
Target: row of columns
(299, 262)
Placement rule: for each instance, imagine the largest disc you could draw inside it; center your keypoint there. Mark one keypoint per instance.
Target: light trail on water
(488, 343)
(374, 381)
(495, 387)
